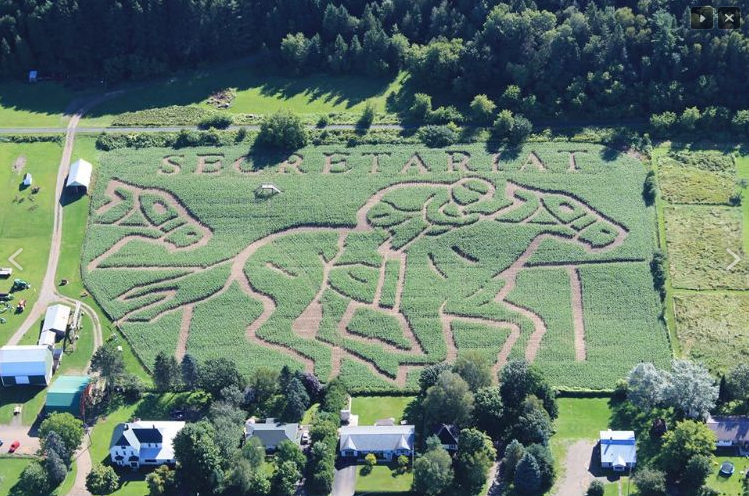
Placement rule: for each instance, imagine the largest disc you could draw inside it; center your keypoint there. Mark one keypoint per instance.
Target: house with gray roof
(145, 442)
(384, 441)
(730, 431)
(272, 433)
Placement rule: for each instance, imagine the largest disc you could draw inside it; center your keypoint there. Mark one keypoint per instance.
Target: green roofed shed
(66, 394)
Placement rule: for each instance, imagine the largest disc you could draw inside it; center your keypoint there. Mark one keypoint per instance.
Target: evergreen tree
(527, 476)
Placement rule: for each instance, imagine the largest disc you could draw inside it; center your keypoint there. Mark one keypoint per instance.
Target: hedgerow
(452, 252)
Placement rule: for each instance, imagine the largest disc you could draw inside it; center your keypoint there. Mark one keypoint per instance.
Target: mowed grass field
(36, 105)
(257, 92)
(26, 219)
(374, 261)
(700, 225)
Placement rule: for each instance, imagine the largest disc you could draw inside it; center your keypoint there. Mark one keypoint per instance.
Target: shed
(33, 76)
(79, 175)
(27, 180)
(6, 271)
(57, 319)
(268, 189)
(22, 365)
(67, 395)
(618, 449)
(47, 338)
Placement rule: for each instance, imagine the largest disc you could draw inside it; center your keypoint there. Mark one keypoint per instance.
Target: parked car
(14, 446)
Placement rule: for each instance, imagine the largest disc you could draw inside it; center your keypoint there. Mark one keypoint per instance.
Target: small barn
(56, 319)
(68, 395)
(79, 176)
(27, 180)
(24, 365)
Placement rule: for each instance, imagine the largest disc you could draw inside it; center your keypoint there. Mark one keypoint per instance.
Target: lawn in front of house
(373, 408)
(582, 418)
(382, 480)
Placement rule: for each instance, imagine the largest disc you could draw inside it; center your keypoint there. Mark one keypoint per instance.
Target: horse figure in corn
(421, 258)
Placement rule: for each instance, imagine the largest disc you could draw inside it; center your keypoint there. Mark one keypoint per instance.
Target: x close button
(729, 17)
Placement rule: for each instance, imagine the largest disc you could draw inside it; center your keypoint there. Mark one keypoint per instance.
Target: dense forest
(548, 57)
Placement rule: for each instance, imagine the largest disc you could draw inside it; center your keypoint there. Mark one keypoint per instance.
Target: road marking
(736, 260)
(10, 258)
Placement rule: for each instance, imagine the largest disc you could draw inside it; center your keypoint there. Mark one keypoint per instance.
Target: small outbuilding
(57, 319)
(25, 365)
(47, 338)
(68, 395)
(448, 435)
(33, 76)
(80, 175)
(272, 433)
(618, 450)
(27, 180)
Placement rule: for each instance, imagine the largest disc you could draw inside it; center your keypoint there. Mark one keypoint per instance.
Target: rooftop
(27, 353)
(618, 447)
(377, 438)
(730, 428)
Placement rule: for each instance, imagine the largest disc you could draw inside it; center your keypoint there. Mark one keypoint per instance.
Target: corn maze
(373, 262)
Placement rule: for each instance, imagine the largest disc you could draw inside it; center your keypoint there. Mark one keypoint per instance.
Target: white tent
(27, 180)
(80, 174)
(56, 319)
(22, 365)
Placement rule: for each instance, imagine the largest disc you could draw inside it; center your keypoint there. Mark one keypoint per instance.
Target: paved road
(164, 129)
(344, 481)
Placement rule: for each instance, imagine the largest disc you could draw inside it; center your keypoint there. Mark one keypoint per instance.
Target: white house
(730, 431)
(21, 365)
(28, 180)
(618, 450)
(56, 319)
(144, 442)
(79, 175)
(385, 442)
(272, 433)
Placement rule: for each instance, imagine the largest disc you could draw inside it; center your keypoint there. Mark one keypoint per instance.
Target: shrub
(102, 480)
(323, 121)
(503, 125)
(282, 130)
(445, 115)
(437, 136)
(370, 460)
(662, 123)
(740, 122)
(649, 188)
(658, 269)
(421, 107)
(650, 482)
(521, 130)
(689, 118)
(595, 489)
(215, 121)
(697, 470)
(482, 109)
(402, 463)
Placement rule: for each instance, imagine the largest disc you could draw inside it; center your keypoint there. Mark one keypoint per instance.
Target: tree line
(543, 58)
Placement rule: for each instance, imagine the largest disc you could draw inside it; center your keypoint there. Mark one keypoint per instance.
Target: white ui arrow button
(736, 259)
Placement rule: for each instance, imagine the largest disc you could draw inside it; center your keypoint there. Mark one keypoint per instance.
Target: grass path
(742, 166)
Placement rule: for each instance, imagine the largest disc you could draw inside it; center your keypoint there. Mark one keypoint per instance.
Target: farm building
(56, 319)
(68, 394)
(47, 338)
(385, 442)
(730, 431)
(79, 175)
(448, 436)
(271, 433)
(618, 450)
(28, 180)
(21, 365)
(6, 271)
(144, 442)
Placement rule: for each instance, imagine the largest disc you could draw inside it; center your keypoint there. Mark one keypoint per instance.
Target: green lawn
(382, 480)
(742, 169)
(582, 418)
(728, 486)
(256, 92)
(373, 408)
(33, 105)
(26, 220)
(10, 471)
